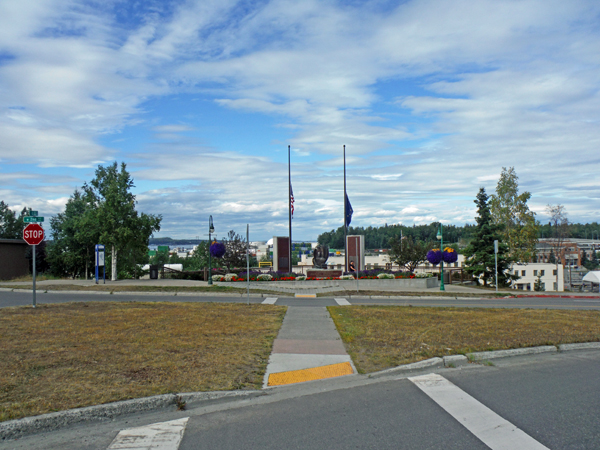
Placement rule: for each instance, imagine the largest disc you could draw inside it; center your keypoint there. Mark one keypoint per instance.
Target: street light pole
(211, 229)
(440, 237)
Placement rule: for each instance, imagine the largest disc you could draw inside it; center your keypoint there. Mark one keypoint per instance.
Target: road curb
(581, 346)
(482, 356)
(46, 422)
(17, 428)
(432, 363)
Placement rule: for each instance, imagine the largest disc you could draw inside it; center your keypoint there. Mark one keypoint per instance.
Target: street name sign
(33, 219)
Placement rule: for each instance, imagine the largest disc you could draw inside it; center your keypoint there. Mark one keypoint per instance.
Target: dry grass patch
(56, 357)
(380, 337)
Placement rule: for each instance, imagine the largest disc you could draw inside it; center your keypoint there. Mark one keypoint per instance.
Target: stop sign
(33, 234)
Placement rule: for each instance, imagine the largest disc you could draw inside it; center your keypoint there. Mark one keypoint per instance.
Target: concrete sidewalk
(348, 286)
(307, 348)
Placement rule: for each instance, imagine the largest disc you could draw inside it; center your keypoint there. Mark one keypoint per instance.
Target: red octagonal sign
(33, 234)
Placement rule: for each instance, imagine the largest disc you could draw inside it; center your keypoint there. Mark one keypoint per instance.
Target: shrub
(387, 276)
(264, 277)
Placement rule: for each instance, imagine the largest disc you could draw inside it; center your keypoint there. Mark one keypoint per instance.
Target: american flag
(292, 200)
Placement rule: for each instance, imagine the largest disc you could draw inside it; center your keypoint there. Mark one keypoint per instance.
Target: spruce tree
(480, 262)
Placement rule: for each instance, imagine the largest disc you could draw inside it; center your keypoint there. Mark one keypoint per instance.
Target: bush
(264, 277)
(387, 276)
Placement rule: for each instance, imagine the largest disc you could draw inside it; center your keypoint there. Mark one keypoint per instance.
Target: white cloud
(431, 99)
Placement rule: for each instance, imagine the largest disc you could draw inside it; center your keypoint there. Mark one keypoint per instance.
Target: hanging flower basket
(217, 250)
(434, 256)
(450, 255)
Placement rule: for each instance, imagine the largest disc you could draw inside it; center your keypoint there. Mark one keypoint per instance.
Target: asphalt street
(19, 298)
(550, 399)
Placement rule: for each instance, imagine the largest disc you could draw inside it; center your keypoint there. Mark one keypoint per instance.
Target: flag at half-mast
(292, 200)
(349, 211)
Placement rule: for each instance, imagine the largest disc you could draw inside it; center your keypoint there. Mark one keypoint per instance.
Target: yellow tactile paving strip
(307, 295)
(314, 373)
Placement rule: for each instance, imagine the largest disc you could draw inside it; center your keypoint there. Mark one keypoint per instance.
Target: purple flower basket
(450, 257)
(434, 256)
(217, 250)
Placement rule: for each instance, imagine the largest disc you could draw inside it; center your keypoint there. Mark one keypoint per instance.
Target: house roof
(592, 277)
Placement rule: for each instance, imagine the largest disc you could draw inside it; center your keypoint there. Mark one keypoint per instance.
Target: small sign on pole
(100, 262)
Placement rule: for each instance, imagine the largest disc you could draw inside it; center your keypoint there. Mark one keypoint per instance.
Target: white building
(529, 273)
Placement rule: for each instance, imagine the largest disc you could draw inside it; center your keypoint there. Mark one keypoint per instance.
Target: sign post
(496, 262)
(33, 234)
(100, 262)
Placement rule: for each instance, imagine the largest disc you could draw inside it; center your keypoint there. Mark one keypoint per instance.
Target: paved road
(550, 401)
(16, 298)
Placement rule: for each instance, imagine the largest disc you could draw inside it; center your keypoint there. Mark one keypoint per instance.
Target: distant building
(529, 273)
(13, 263)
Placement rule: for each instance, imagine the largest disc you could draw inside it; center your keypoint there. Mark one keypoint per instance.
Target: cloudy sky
(200, 98)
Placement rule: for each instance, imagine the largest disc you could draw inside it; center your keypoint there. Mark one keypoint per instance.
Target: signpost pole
(33, 234)
(496, 262)
(248, 260)
(34, 301)
(356, 241)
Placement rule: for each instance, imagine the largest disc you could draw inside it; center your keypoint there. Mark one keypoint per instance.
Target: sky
(201, 98)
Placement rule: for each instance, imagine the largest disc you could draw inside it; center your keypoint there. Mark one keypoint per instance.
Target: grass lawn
(62, 356)
(380, 337)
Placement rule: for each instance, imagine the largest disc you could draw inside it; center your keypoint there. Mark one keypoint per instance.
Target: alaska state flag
(349, 211)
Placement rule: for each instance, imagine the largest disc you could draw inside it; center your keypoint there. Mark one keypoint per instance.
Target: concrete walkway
(307, 348)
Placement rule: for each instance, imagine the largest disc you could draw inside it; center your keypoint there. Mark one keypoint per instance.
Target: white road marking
(158, 436)
(587, 301)
(342, 301)
(494, 431)
(269, 301)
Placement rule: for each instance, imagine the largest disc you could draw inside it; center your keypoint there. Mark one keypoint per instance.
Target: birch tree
(518, 226)
(120, 226)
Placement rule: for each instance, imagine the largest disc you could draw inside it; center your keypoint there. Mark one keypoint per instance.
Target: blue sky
(201, 99)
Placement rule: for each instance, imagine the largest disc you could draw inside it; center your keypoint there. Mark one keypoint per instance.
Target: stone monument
(320, 256)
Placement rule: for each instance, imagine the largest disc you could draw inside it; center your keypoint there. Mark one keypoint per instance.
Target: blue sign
(100, 262)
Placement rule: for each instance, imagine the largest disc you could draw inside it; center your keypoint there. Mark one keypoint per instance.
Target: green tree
(74, 235)
(235, 254)
(11, 225)
(538, 285)
(559, 223)
(121, 228)
(519, 229)
(593, 263)
(198, 260)
(480, 261)
(408, 253)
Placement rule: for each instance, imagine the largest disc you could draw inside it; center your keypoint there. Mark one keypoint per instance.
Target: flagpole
(290, 207)
(345, 217)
